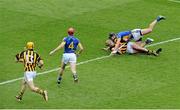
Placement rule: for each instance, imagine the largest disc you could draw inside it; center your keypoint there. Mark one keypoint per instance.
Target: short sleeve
(64, 39)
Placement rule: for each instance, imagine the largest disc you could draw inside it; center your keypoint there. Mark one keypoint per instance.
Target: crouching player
(70, 45)
(30, 59)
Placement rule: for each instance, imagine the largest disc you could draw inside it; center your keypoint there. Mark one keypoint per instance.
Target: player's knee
(150, 30)
(32, 89)
(73, 71)
(134, 46)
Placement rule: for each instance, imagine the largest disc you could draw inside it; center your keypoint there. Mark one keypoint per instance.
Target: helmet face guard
(109, 43)
(71, 31)
(111, 35)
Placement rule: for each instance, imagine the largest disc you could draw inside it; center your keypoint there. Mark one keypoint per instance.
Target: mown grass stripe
(87, 61)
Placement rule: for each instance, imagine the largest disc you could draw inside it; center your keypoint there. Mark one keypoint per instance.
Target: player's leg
(73, 69)
(65, 60)
(147, 42)
(37, 90)
(140, 49)
(60, 73)
(21, 93)
(72, 62)
(152, 25)
(29, 81)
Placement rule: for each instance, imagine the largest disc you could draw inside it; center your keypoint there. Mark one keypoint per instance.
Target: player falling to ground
(70, 45)
(30, 59)
(135, 34)
(130, 47)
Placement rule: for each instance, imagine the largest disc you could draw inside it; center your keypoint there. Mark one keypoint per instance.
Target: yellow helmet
(30, 45)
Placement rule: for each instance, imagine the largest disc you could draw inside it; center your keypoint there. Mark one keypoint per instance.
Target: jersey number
(71, 46)
(29, 59)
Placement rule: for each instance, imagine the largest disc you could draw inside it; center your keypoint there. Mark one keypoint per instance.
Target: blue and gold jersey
(124, 35)
(71, 44)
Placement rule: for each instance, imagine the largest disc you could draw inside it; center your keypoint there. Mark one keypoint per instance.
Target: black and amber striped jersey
(123, 47)
(30, 59)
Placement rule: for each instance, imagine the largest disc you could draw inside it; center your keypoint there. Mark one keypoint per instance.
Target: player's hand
(40, 67)
(113, 52)
(77, 55)
(105, 49)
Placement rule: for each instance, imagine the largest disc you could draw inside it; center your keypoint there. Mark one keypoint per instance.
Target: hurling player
(30, 58)
(70, 45)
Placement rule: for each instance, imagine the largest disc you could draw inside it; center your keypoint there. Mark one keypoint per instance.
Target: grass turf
(127, 81)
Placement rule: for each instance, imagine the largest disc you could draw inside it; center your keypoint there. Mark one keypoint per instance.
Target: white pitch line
(55, 69)
(84, 62)
(176, 1)
(163, 42)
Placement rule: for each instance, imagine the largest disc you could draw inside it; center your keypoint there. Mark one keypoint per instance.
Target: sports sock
(59, 78)
(149, 52)
(75, 75)
(20, 94)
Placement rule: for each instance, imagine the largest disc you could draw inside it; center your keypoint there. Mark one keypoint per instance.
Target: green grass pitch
(127, 81)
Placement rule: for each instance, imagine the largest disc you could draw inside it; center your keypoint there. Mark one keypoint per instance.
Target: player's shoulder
(76, 38)
(65, 38)
(35, 52)
(22, 52)
(123, 33)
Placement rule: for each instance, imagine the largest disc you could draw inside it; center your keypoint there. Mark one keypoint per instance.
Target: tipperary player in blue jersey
(135, 34)
(70, 45)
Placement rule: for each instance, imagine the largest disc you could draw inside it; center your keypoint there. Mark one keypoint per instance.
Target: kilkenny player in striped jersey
(30, 59)
(110, 43)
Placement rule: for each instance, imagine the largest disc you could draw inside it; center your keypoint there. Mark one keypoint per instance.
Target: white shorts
(29, 75)
(136, 34)
(130, 49)
(69, 58)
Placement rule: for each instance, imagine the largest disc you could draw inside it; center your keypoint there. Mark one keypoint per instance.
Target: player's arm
(40, 62)
(19, 57)
(80, 48)
(116, 46)
(106, 48)
(59, 47)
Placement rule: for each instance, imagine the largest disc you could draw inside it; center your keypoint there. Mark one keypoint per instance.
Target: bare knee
(32, 89)
(134, 46)
(73, 67)
(150, 30)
